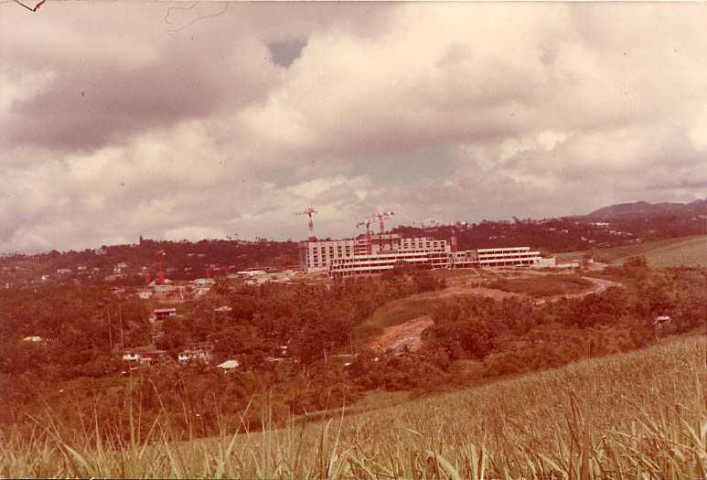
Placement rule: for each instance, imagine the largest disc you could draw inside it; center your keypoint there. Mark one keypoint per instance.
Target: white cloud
(121, 121)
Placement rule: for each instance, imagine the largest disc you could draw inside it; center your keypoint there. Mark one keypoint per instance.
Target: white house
(161, 313)
(144, 294)
(201, 355)
(144, 355)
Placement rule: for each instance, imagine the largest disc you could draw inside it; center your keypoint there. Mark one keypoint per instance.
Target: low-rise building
(145, 294)
(251, 273)
(200, 355)
(507, 257)
(160, 314)
(144, 355)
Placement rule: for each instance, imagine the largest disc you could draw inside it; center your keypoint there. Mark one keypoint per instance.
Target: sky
(214, 120)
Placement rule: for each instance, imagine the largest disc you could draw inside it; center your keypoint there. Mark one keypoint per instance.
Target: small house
(144, 355)
(201, 355)
(144, 294)
(160, 314)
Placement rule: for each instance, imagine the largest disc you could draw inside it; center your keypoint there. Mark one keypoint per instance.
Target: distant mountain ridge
(645, 209)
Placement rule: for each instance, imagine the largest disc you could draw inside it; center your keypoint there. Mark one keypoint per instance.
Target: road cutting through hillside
(600, 285)
(407, 336)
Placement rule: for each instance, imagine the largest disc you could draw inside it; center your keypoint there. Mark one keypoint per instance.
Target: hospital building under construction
(372, 254)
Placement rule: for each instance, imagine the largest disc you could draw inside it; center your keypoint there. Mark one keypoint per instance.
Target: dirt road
(400, 337)
(407, 336)
(599, 286)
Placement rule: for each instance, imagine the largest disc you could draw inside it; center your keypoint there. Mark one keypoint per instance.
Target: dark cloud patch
(284, 52)
(87, 108)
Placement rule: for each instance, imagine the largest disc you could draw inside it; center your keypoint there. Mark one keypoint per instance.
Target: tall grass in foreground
(637, 415)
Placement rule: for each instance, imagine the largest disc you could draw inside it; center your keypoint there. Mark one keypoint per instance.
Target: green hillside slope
(635, 415)
(674, 252)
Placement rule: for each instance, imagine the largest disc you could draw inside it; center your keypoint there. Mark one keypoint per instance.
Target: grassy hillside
(397, 312)
(636, 415)
(465, 282)
(544, 286)
(674, 252)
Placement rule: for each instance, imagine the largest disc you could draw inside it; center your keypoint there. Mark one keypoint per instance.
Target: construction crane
(704, 217)
(309, 212)
(381, 219)
(367, 223)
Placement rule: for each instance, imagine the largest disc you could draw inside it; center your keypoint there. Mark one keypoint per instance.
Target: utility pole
(120, 316)
(110, 330)
(704, 217)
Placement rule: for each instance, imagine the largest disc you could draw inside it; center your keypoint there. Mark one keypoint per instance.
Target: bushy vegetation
(83, 331)
(78, 329)
(474, 340)
(638, 415)
(182, 260)
(543, 286)
(569, 233)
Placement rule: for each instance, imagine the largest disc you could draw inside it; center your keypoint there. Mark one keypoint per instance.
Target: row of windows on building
(316, 250)
(483, 251)
(486, 258)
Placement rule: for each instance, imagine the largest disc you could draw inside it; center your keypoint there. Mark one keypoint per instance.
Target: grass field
(544, 286)
(674, 252)
(635, 415)
(397, 312)
(467, 282)
(408, 308)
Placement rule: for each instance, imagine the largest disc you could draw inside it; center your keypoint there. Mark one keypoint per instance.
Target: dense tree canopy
(75, 368)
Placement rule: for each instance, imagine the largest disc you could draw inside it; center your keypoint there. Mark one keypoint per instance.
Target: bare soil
(406, 334)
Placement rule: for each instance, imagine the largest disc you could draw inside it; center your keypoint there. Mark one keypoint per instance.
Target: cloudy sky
(207, 120)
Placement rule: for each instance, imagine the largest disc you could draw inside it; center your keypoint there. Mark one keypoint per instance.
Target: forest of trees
(184, 260)
(76, 371)
(565, 234)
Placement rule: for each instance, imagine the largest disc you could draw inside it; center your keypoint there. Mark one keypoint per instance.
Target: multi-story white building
(509, 256)
(381, 262)
(320, 255)
(379, 253)
(317, 256)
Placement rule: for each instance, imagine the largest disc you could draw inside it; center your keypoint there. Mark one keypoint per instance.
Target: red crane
(381, 219)
(367, 223)
(309, 212)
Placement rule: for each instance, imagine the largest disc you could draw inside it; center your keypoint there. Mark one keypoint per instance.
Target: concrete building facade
(509, 256)
(320, 255)
(379, 253)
